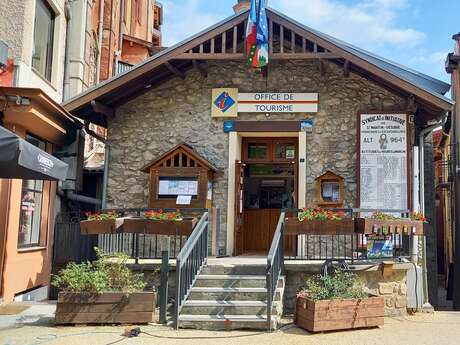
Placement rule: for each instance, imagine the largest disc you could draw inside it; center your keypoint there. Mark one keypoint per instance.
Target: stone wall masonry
(179, 111)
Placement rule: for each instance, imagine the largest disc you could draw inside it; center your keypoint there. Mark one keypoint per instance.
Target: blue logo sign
(224, 101)
(229, 126)
(306, 126)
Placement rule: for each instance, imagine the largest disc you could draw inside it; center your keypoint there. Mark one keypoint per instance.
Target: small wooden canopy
(329, 175)
(180, 156)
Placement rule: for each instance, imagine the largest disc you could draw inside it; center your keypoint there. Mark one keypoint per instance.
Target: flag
(262, 35)
(251, 30)
(257, 35)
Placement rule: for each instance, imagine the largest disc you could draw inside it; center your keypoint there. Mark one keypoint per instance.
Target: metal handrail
(189, 263)
(275, 266)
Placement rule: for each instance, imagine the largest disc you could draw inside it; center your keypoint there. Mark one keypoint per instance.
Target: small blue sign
(306, 126)
(229, 126)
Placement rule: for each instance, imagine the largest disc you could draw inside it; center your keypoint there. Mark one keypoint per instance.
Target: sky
(414, 33)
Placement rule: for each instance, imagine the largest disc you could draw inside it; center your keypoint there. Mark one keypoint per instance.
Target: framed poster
(383, 161)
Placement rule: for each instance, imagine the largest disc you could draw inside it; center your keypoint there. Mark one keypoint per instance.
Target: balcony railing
(123, 67)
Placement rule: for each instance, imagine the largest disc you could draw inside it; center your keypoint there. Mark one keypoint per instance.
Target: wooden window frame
(271, 144)
(201, 174)
(48, 72)
(330, 177)
(44, 211)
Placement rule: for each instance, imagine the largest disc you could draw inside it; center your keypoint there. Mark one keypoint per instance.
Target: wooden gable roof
(180, 156)
(289, 40)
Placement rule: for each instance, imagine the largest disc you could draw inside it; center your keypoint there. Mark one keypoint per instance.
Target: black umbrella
(22, 160)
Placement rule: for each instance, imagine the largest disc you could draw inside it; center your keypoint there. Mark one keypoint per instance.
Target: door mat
(12, 309)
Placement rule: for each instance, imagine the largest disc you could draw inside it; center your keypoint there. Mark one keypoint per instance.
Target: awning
(22, 160)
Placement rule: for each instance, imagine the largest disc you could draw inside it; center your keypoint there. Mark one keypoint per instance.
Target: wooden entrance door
(265, 183)
(259, 227)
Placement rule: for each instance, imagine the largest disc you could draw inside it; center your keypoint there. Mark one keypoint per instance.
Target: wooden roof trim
(151, 63)
(329, 173)
(136, 40)
(187, 149)
(43, 99)
(409, 87)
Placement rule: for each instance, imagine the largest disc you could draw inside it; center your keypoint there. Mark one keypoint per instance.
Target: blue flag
(262, 35)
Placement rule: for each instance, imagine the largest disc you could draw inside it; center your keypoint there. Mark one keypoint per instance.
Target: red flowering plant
(161, 215)
(418, 216)
(110, 215)
(318, 213)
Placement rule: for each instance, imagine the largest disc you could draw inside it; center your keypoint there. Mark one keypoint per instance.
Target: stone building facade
(179, 111)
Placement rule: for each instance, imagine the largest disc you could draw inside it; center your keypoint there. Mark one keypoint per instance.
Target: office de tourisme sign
(277, 102)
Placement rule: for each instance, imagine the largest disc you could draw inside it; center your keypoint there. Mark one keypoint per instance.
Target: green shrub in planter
(338, 285)
(335, 302)
(109, 273)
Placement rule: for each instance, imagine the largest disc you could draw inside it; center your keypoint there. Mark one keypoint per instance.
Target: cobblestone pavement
(440, 328)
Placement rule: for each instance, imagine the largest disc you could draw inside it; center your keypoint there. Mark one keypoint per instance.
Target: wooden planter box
(367, 225)
(330, 315)
(319, 227)
(183, 227)
(96, 227)
(110, 307)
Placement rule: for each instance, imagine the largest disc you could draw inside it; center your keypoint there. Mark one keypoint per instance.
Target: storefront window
(31, 207)
(330, 191)
(43, 39)
(257, 151)
(284, 151)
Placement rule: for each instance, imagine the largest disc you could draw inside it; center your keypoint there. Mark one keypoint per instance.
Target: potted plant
(161, 223)
(101, 223)
(105, 291)
(319, 221)
(386, 224)
(337, 301)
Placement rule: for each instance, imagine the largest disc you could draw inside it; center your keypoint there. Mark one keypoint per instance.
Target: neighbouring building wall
(179, 111)
(17, 31)
(131, 28)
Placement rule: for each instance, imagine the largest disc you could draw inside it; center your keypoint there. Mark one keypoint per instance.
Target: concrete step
(226, 322)
(232, 293)
(234, 270)
(225, 280)
(216, 307)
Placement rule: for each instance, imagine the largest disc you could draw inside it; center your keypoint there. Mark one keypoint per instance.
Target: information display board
(383, 161)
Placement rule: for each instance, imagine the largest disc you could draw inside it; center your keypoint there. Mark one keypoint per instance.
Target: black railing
(275, 266)
(346, 246)
(144, 246)
(349, 247)
(190, 262)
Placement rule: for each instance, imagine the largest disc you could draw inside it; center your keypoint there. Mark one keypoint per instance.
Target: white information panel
(383, 161)
(177, 187)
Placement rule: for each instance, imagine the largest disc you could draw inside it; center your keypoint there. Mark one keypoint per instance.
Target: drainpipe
(120, 37)
(66, 83)
(424, 132)
(78, 197)
(106, 175)
(99, 41)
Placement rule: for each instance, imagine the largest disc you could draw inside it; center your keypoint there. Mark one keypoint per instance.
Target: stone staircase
(231, 297)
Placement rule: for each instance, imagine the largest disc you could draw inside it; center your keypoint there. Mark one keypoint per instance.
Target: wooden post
(164, 275)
